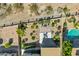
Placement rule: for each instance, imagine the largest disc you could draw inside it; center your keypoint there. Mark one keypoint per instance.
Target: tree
(66, 11)
(21, 32)
(67, 48)
(34, 8)
(18, 6)
(49, 9)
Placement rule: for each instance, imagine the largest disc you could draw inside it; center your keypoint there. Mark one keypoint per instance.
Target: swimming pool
(72, 34)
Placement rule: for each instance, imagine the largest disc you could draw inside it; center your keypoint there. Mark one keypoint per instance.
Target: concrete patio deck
(50, 51)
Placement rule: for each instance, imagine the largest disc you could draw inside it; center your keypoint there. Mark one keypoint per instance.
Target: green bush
(33, 37)
(36, 26)
(65, 24)
(53, 24)
(72, 19)
(67, 48)
(20, 32)
(56, 38)
(7, 45)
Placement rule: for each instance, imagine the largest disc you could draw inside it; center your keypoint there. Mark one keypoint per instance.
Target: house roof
(48, 42)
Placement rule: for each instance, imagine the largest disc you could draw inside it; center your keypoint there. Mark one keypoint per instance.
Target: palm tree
(21, 32)
(18, 6)
(34, 8)
(66, 11)
(49, 9)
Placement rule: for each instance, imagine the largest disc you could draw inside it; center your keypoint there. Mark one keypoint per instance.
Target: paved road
(13, 22)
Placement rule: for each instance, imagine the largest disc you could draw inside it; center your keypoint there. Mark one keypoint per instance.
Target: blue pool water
(73, 32)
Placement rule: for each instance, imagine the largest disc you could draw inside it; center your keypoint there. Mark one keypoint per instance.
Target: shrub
(57, 38)
(53, 24)
(33, 37)
(36, 26)
(33, 31)
(67, 48)
(32, 26)
(65, 24)
(31, 34)
(7, 45)
(20, 32)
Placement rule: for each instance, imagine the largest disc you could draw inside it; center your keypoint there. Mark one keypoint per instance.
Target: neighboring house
(46, 37)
